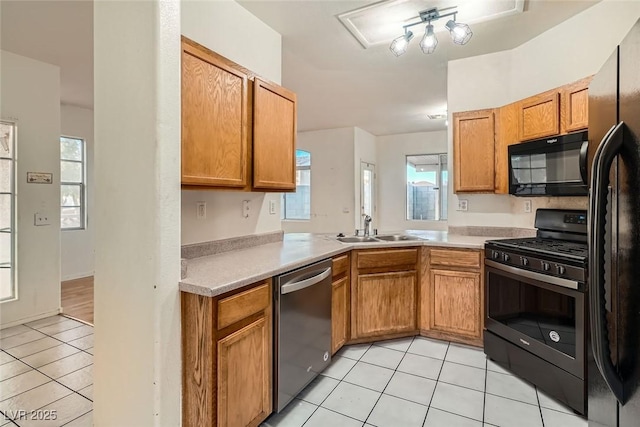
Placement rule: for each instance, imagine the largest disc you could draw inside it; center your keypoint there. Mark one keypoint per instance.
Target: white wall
(77, 246)
(137, 370)
(574, 49)
(30, 94)
(392, 179)
(364, 146)
(230, 30)
(332, 192)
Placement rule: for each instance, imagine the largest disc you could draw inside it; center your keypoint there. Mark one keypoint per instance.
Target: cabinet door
(455, 302)
(274, 137)
(214, 120)
(575, 106)
(244, 375)
(506, 135)
(385, 303)
(473, 151)
(539, 116)
(339, 313)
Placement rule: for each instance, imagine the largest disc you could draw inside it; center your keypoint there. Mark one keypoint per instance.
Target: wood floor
(77, 299)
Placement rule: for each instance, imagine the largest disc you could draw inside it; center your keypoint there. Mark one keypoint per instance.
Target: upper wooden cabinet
(238, 130)
(506, 135)
(555, 112)
(574, 102)
(274, 133)
(214, 120)
(539, 116)
(481, 138)
(473, 151)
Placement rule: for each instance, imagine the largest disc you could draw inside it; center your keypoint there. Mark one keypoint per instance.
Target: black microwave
(554, 166)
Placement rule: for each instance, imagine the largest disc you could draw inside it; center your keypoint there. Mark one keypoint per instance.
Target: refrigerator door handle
(584, 151)
(602, 161)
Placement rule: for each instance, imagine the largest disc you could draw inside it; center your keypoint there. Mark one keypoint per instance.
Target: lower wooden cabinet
(340, 297)
(384, 292)
(339, 311)
(452, 297)
(227, 349)
(385, 304)
(244, 375)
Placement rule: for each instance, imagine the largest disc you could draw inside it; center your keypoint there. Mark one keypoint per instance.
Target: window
(427, 185)
(7, 211)
(298, 205)
(72, 183)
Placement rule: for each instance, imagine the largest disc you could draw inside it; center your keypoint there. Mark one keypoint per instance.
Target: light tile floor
(46, 368)
(420, 382)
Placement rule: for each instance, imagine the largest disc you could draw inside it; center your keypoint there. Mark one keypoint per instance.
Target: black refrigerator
(614, 243)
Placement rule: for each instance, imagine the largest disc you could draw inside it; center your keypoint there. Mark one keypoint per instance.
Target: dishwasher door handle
(296, 286)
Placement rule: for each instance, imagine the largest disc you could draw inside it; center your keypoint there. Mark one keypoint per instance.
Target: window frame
(82, 185)
(441, 193)
(13, 223)
(284, 195)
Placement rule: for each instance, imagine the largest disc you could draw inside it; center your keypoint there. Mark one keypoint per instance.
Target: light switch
(272, 207)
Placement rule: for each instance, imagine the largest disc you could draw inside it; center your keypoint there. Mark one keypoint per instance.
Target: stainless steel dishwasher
(302, 329)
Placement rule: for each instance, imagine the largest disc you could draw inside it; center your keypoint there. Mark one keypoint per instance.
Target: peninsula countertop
(216, 274)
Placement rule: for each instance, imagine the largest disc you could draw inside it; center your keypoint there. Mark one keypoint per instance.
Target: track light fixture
(460, 33)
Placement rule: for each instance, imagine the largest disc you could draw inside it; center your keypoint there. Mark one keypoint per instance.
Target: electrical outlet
(201, 210)
(41, 218)
(463, 204)
(272, 207)
(245, 208)
(527, 206)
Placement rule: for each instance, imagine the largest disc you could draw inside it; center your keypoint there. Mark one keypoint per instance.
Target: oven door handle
(602, 161)
(565, 283)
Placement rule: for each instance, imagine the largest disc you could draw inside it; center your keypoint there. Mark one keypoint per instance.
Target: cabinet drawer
(387, 258)
(340, 265)
(455, 258)
(239, 306)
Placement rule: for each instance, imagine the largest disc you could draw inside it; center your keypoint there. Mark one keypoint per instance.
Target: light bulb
(429, 40)
(400, 44)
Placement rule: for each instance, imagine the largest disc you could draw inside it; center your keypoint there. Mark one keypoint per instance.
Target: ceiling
(341, 84)
(338, 82)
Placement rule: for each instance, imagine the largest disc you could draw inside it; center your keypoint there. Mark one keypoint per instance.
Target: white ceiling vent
(380, 22)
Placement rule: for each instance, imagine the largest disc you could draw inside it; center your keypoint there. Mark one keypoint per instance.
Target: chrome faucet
(367, 224)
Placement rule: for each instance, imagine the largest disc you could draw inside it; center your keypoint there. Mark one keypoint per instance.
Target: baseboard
(77, 276)
(31, 318)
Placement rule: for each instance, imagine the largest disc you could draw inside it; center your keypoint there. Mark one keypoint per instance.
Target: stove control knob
(546, 266)
(495, 254)
(524, 261)
(506, 257)
(561, 269)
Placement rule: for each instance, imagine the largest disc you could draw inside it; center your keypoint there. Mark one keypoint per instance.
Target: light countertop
(216, 274)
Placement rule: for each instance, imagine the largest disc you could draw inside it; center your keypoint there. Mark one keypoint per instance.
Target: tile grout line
(392, 375)
(54, 379)
(65, 424)
(484, 395)
(437, 381)
(332, 390)
(539, 407)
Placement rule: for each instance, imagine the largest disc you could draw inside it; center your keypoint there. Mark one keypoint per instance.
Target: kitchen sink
(358, 239)
(397, 237)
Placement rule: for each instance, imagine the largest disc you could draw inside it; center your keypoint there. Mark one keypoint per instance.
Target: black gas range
(535, 317)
